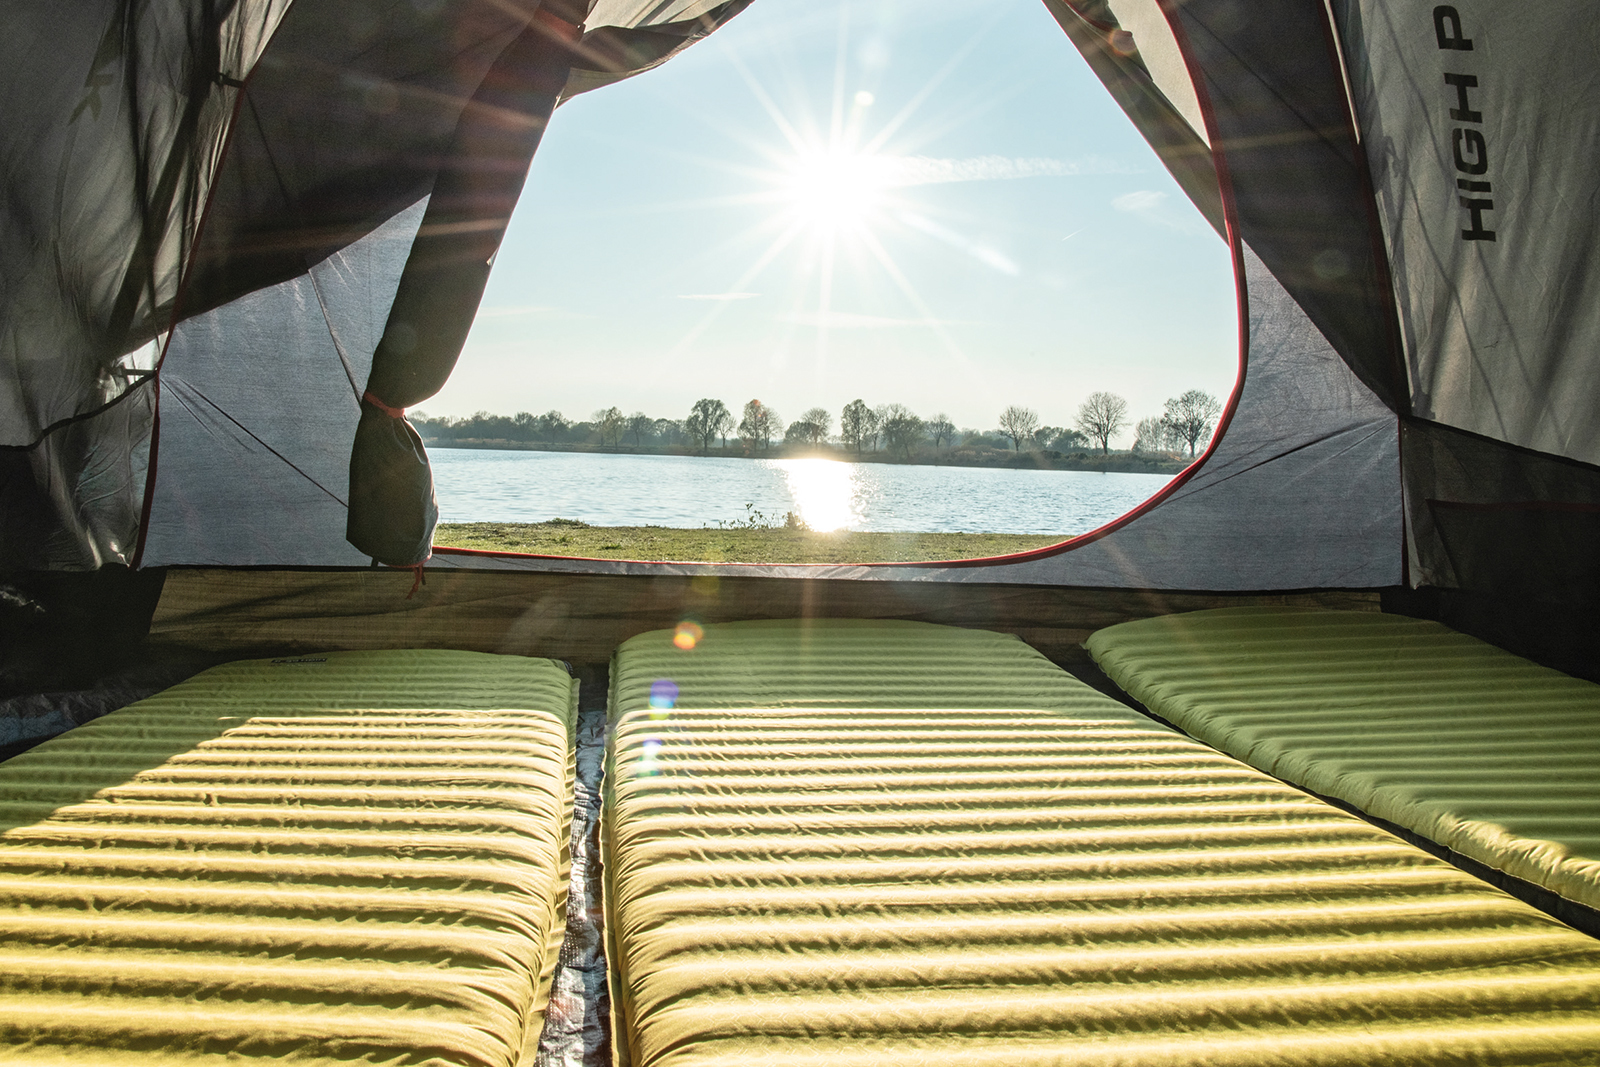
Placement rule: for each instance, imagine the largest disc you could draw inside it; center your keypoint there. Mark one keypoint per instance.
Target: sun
(836, 188)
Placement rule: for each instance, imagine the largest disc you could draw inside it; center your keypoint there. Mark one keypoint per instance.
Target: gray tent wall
(1481, 121)
(251, 473)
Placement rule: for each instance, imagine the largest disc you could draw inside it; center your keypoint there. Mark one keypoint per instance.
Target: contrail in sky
(927, 170)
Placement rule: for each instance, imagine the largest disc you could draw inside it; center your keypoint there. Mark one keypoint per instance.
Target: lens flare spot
(649, 757)
(687, 635)
(663, 694)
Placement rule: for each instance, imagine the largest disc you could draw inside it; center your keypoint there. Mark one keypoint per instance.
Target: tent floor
(206, 615)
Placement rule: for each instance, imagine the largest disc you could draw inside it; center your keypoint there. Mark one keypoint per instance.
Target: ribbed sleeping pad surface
(1463, 743)
(352, 858)
(890, 843)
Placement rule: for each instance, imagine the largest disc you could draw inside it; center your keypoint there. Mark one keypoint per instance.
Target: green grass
(568, 537)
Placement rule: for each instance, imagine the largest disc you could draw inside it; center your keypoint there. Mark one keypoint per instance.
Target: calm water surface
(482, 485)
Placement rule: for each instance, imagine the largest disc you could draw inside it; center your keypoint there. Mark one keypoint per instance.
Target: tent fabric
(392, 511)
(72, 501)
(1501, 521)
(343, 125)
(249, 473)
(858, 844)
(1299, 492)
(1280, 122)
(108, 136)
(623, 38)
(1465, 744)
(1476, 122)
(323, 859)
(1480, 121)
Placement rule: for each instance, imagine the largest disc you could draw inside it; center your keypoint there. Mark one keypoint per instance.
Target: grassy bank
(567, 537)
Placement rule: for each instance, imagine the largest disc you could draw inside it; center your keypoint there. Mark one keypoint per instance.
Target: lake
(486, 485)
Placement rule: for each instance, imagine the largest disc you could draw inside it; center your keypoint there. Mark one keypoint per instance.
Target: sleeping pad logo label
(1467, 144)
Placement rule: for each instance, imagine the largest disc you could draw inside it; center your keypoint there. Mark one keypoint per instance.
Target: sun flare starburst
(841, 182)
(836, 188)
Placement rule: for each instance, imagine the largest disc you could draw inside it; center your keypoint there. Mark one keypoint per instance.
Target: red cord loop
(393, 413)
(418, 580)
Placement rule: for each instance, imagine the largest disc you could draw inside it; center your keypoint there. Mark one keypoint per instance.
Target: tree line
(1185, 424)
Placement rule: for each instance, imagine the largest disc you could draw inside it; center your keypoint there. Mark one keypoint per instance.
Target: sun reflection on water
(824, 492)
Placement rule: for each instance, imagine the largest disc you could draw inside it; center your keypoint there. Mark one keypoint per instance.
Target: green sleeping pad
(358, 857)
(1454, 739)
(865, 843)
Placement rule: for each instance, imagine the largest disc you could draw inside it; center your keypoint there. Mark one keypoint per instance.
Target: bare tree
(1102, 417)
(609, 423)
(1067, 439)
(941, 429)
(708, 420)
(822, 420)
(902, 429)
(800, 432)
(1018, 423)
(880, 416)
(811, 428)
(760, 425)
(640, 424)
(1191, 417)
(1153, 435)
(858, 426)
(667, 431)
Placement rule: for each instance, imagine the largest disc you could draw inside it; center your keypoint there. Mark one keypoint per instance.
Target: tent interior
(243, 237)
(273, 239)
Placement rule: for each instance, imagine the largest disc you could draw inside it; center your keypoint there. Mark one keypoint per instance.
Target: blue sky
(932, 203)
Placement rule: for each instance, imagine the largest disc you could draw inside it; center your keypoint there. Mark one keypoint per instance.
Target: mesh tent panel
(109, 144)
(253, 474)
(72, 501)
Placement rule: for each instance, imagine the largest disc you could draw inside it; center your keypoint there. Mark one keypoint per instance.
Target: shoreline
(1111, 463)
(731, 544)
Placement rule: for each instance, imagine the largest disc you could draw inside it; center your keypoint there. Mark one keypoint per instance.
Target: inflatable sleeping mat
(1456, 740)
(358, 857)
(866, 843)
